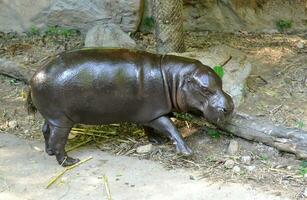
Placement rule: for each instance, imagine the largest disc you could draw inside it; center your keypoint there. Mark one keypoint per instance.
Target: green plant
(183, 116)
(219, 70)
(264, 157)
(33, 31)
(283, 25)
(148, 23)
(303, 168)
(214, 133)
(300, 124)
(60, 31)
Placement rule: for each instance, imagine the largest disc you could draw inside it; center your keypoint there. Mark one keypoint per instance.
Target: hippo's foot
(66, 161)
(56, 144)
(165, 126)
(49, 151)
(155, 137)
(184, 150)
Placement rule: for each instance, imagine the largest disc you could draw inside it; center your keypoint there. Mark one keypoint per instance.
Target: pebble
(13, 124)
(144, 149)
(236, 169)
(300, 45)
(229, 164)
(305, 192)
(233, 147)
(246, 160)
(250, 168)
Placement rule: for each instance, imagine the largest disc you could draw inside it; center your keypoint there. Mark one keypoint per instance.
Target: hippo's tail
(29, 103)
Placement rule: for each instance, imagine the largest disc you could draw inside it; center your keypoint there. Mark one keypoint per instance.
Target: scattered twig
(94, 131)
(187, 124)
(65, 170)
(86, 133)
(106, 185)
(223, 64)
(276, 109)
(79, 145)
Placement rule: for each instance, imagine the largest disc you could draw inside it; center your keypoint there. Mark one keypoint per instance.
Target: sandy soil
(26, 170)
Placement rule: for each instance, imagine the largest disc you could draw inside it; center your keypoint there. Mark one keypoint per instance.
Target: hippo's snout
(226, 105)
(220, 108)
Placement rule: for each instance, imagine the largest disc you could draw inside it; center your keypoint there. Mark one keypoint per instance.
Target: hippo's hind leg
(57, 142)
(46, 133)
(154, 137)
(164, 125)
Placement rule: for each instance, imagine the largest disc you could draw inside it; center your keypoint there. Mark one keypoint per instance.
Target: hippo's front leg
(165, 125)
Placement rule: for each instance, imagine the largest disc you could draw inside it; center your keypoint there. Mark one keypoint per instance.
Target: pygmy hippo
(102, 86)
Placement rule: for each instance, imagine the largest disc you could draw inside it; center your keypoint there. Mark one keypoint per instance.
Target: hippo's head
(203, 96)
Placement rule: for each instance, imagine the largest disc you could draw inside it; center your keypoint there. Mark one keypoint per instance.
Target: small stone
(236, 169)
(144, 149)
(229, 164)
(38, 149)
(108, 35)
(300, 45)
(246, 160)
(305, 192)
(250, 168)
(289, 167)
(26, 132)
(233, 147)
(13, 124)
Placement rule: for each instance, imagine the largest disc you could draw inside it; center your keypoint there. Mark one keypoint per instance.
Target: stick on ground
(65, 170)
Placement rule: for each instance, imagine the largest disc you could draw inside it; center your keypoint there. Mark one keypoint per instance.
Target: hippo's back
(97, 86)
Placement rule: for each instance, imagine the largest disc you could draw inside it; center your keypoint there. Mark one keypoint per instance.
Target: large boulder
(109, 35)
(251, 15)
(16, 15)
(236, 70)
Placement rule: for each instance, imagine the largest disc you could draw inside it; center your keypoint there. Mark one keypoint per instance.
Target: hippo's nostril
(221, 109)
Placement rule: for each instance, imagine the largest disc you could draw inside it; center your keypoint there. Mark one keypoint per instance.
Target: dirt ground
(276, 90)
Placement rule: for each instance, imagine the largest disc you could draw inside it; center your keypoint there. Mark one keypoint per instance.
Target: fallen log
(290, 140)
(14, 70)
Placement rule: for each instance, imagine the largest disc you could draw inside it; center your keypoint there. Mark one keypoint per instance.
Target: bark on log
(14, 70)
(290, 140)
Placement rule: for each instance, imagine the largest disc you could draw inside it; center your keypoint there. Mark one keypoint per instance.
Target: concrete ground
(25, 171)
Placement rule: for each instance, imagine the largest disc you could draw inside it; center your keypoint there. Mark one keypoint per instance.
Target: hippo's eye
(206, 92)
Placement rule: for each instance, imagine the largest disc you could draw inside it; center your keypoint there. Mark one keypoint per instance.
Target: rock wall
(20, 15)
(199, 15)
(248, 15)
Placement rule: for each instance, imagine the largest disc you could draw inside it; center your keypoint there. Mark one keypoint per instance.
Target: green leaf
(214, 133)
(304, 163)
(300, 124)
(219, 70)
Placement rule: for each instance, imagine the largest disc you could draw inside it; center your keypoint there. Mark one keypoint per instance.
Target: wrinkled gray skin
(102, 86)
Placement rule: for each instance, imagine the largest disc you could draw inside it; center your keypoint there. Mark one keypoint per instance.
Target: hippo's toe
(185, 150)
(50, 152)
(68, 161)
